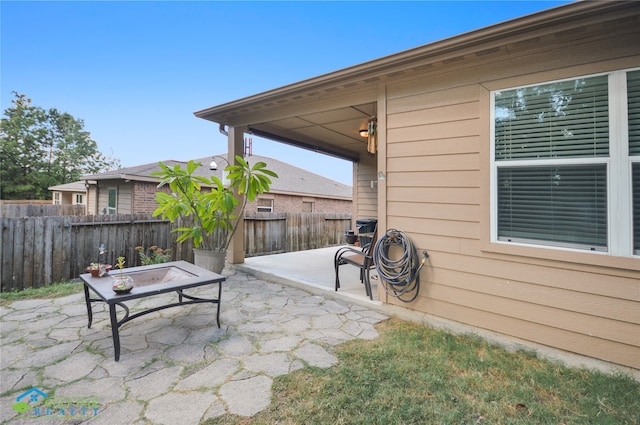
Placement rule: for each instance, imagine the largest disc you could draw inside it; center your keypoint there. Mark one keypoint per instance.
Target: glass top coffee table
(156, 279)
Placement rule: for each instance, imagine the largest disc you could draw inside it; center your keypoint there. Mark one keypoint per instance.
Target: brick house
(131, 190)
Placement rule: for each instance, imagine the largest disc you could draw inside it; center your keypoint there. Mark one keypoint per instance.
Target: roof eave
(476, 39)
(122, 176)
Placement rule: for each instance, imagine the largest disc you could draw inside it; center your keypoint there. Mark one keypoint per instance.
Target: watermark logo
(37, 403)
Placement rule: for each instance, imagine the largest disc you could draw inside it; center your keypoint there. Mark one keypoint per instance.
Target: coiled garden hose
(399, 277)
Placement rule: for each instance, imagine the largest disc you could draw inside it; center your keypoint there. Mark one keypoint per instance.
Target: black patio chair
(361, 258)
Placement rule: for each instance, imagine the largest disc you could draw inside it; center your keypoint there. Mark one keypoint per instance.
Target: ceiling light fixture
(370, 129)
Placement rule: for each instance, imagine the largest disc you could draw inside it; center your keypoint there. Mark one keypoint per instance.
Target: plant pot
(103, 270)
(350, 237)
(209, 260)
(122, 284)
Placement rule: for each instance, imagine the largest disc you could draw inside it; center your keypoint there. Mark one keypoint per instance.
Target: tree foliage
(216, 213)
(40, 148)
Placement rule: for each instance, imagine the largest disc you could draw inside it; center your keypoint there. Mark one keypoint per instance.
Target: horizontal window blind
(562, 204)
(633, 102)
(568, 119)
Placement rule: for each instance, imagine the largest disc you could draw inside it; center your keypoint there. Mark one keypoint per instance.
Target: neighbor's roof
(69, 187)
(291, 180)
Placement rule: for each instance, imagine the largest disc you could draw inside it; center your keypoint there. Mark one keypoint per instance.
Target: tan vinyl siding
(124, 194)
(437, 191)
(125, 198)
(367, 203)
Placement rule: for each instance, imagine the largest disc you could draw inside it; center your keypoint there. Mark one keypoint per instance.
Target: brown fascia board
(309, 194)
(503, 33)
(123, 176)
(129, 178)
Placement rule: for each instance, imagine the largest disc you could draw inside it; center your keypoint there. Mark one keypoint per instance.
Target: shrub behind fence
(37, 251)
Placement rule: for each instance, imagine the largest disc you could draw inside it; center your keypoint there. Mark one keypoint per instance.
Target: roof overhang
(325, 113)
(121, 177)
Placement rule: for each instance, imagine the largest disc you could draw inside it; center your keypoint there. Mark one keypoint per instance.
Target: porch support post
(235, 253)
(382, 171)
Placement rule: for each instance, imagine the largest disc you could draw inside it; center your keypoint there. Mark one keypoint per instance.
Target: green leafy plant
(215, 208)
(120, 263)
(153, 255)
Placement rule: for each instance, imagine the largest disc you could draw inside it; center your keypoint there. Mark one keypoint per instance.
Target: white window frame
(618, 163)
(264, 208)
(114, 209)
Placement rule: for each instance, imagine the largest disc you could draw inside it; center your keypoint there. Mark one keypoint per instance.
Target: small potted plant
(99, 269)
(95, 270)
(122, 283)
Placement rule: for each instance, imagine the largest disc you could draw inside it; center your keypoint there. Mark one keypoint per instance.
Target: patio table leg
(87, 299)
(218, 302)
(114, 331)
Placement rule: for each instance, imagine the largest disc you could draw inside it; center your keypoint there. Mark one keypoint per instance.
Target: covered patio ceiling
(334, 132)
(326, 120)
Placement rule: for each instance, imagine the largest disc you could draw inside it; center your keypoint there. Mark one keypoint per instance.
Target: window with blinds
(565, 205)
(633, 107)
(112, 200)
(552, 179)
(567, 119)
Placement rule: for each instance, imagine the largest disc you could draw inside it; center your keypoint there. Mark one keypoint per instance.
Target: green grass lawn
(415, 375)
(51, 291)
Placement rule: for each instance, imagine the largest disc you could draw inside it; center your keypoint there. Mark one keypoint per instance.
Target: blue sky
(136, 71)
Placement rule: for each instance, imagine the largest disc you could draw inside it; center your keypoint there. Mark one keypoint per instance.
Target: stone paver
(176, 366)
(246, 397)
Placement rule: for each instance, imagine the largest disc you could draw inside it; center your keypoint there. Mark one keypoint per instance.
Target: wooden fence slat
(47, 250)
(8, 228)
(18, 257)
(37, 252)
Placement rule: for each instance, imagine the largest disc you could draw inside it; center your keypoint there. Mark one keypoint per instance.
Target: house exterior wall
(366, 188)
(295, 203)
(65, 198)
(92, 199)
(138, 197)
(124, 197)
(437, 189)
(144, 195)
(68, 197)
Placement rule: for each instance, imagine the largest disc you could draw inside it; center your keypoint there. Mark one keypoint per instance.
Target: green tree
(40, 148)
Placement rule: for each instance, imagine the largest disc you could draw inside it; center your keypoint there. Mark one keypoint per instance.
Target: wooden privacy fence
(273, 233)
(37, 251)
(40, 210)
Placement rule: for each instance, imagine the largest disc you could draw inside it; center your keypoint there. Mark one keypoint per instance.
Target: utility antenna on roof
(248, 147)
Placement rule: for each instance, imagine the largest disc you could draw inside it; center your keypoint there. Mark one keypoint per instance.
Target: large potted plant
(215, 208)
